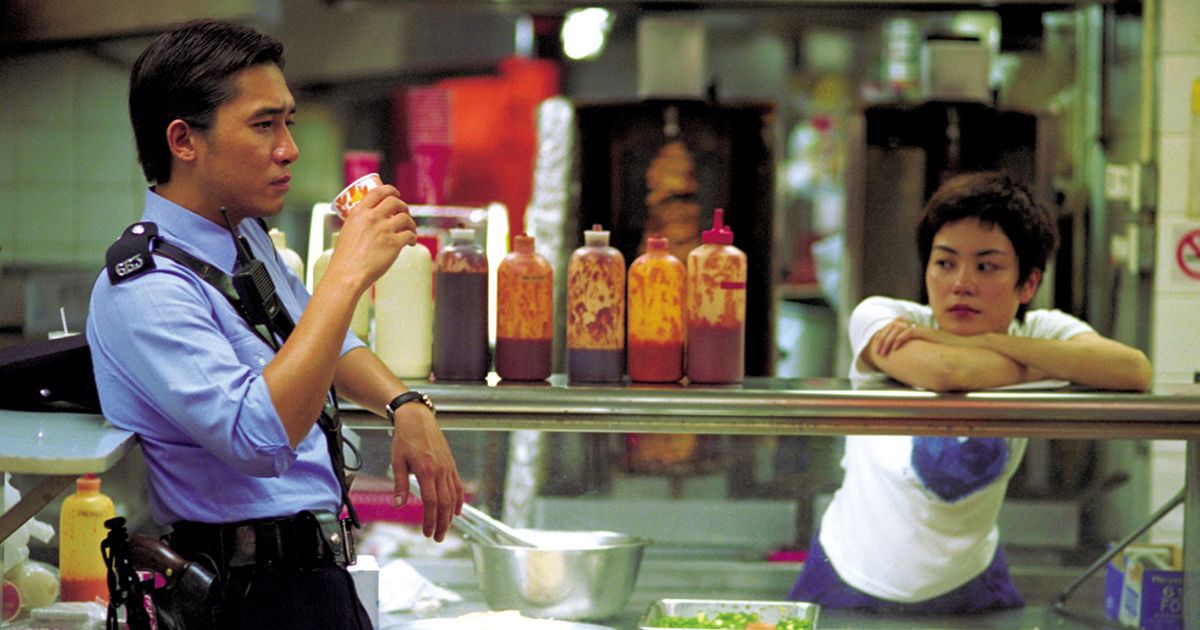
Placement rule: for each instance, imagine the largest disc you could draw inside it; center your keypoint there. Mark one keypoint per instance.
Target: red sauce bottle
(524, 313)
(657, 290)
(716, 307)
(596, 310)
(460, 310)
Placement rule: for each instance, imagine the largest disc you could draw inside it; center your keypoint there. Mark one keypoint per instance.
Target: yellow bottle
(80, 531)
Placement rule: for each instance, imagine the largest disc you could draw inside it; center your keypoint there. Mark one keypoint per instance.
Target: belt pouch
(339, 540)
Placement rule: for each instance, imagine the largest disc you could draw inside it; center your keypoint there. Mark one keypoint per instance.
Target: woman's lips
(962, 310)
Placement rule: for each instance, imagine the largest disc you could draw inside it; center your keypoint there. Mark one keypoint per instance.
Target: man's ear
(1030, 286)
(181, 140)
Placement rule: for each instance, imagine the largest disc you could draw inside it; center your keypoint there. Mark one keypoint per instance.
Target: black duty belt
(306, 540)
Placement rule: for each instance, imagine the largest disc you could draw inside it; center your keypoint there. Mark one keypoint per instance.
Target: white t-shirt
(915, 517)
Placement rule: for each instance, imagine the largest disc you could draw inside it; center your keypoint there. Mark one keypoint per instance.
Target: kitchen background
(1109, 84)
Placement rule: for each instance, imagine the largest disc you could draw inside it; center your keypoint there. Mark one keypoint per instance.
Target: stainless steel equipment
(568, 575)
(485, 529)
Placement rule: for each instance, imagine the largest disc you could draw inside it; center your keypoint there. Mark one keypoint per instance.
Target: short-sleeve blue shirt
(177, 365)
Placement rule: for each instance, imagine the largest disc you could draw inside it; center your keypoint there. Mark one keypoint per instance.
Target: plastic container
(524, 313)
(657, 293)
(360, 321)
(596, 310)
(404, 314)
(716, 307)
(289, 256)
(80, 531)
(460, 306)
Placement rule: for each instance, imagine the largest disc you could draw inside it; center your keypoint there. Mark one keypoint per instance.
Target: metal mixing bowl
(570, 575)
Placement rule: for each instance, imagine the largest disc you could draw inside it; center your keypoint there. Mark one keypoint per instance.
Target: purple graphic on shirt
(953, 468)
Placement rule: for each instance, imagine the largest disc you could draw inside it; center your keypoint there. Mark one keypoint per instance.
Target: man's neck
(187, 198)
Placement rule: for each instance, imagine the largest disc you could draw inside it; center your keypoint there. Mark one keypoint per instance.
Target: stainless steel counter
(765, 406)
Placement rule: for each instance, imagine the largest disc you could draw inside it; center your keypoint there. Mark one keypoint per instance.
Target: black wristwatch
(407, 397)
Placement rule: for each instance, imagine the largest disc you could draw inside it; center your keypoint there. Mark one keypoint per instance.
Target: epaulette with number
(130, 255)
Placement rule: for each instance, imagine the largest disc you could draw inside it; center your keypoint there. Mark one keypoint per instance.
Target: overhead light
(584, 32)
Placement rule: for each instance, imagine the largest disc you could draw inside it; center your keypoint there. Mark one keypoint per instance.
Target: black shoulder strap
(130, 256)
(329, 421)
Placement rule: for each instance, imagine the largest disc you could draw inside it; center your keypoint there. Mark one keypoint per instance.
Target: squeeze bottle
(716, 307)
(657, 291)
(404, 314)
(360, 321)
(460, 306)
(290, 257)
(80, 532)
(596, 310)
(524, 313)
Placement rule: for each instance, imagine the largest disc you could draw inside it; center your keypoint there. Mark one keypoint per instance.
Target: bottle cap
(461, 235)
(87, 484)
(656, 243)
(596, 237)
(523, 243)
(720, 233)
(278, 238)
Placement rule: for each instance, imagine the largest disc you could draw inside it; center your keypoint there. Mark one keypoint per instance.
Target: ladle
(480, 525)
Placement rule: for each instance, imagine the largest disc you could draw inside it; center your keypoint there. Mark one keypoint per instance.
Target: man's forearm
(363, 378)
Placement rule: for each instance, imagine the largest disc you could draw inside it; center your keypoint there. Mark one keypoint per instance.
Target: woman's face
(971, 278)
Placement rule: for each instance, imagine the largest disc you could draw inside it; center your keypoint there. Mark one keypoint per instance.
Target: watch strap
(407, 397)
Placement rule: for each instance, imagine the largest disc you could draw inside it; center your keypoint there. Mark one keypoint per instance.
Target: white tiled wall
(69, 178)
(1176, 343)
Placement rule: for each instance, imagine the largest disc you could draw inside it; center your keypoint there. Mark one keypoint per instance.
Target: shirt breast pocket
(251, 351)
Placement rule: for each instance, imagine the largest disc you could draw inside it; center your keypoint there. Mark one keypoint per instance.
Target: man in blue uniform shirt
(227, 416)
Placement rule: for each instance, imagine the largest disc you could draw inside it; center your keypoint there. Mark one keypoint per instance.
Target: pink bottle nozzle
(656, 243)
(523, 243)
(720, 234)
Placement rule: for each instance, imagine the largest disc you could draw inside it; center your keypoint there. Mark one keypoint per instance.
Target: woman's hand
(894, 335)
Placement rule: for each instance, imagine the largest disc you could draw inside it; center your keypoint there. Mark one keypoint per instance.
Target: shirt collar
(183, 228)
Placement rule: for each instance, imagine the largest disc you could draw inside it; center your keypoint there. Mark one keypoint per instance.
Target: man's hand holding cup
(376, 225)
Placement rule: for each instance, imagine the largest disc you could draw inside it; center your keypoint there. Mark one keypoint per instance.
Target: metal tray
(768, 611)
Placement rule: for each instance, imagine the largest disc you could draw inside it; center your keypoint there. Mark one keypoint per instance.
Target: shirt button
(262, 361)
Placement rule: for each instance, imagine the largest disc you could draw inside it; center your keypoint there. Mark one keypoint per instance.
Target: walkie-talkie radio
(253, 284)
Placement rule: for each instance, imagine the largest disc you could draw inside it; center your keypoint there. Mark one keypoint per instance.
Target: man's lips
(282, 182)
(962, 309)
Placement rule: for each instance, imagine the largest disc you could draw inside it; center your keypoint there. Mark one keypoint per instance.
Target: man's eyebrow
(274, 111)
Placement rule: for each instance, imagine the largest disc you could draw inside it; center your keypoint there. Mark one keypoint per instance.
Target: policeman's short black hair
(995, 198)
(185, 74)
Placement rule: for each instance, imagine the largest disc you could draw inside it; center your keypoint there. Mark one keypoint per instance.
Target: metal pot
(569, 575)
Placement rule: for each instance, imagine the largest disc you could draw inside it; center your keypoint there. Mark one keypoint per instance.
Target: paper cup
(352, 194)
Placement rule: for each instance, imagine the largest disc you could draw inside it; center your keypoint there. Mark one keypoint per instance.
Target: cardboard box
(1144, 587)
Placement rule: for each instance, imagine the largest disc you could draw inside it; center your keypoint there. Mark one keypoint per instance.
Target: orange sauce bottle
(524, 313)
(596, 310)
(657, 290)
(716, 307)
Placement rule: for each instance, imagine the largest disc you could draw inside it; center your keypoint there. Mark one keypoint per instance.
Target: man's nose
(286, 151)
